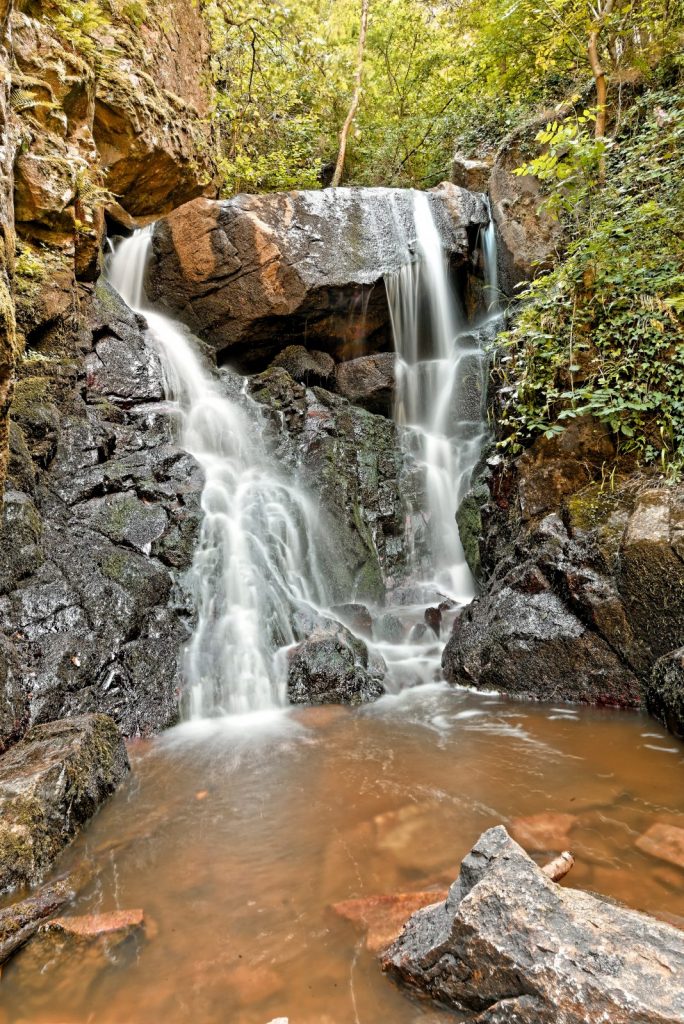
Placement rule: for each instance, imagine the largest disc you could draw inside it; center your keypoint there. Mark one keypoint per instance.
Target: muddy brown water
(235, 838)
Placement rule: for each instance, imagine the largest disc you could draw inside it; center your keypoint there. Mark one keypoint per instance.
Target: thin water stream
(237, 836)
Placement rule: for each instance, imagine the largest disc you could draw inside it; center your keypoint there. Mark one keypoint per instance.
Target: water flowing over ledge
(257, 580)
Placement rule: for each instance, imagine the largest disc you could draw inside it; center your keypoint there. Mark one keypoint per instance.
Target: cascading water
(256, 562)
(440, 389)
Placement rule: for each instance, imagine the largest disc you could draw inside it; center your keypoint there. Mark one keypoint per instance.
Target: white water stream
(256, 563)
(441, 382)
(256, 559)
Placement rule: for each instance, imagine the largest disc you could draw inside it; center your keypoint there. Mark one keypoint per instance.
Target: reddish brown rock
(665, 842)
(110, 924)
(256, 273)
(383, 917)
(543, 832)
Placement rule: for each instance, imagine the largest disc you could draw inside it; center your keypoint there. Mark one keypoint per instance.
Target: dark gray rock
(368, 381)
(390, 629)
(664, 691)
(583, 583)
(333, 666)
(51, 783)
(509, 946)
(367, 489)
(96, 537)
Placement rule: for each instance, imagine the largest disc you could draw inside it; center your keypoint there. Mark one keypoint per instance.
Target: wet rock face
(367, 489)
(665, 691)
(332, 666)
(368, 381)
(51, 783)
(255, 273)
(100, 519)
(583, 584)
(509, 945)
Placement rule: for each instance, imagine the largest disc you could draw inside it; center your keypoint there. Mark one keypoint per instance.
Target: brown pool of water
(236, 837)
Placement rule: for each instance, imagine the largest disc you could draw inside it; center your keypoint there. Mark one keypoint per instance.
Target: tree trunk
(339, 166)
(601, 13)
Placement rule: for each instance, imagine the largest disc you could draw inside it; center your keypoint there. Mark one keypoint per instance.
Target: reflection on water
(236, 836)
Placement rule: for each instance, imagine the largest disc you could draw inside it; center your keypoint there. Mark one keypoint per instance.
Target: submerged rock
(509, 945)
(333, 667)
(357, 617)
(20, 921)
(51, 783)
(253, 273)
(383, 917)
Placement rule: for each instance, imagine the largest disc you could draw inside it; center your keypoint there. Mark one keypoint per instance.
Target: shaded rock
(509, 945)
(356, 617)
(383, 917)
(543, 833)
(528, 644)
(306, 367)
(368, 381)
(20, 921)
(255, 273)
(665, 691)
(51, 783)
(333, 667)
(98, 531)
(665, 842)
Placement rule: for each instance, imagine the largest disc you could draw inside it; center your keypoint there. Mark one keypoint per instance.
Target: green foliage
(603, 333)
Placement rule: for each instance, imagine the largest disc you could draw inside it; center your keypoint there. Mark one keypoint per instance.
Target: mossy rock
(51, 783)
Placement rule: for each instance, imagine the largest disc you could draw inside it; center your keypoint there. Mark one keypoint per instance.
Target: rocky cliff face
(583, 579)
(116, 118)
(253, 274)
(100, 506)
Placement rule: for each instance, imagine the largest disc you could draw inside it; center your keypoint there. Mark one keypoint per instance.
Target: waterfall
(255, 562)
(440, 396)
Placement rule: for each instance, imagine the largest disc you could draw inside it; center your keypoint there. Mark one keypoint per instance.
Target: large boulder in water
(252, 274)
(509, 946)
(332, 666)
(51, 783)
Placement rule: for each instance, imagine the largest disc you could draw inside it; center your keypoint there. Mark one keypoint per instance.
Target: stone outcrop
(8, 143)
(253, 274)
(583, 582)
(51, 783)
(528, 237)
(100, 516)
(368, 381)
(114, 115)
(509, 946)
(368, 490)
(332, 666)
